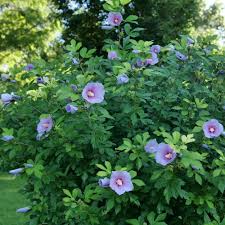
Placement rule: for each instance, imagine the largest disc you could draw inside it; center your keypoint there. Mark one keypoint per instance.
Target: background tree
(27, 29)
(162, 20)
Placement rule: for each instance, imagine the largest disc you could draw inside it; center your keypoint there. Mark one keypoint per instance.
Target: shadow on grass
(10, 200)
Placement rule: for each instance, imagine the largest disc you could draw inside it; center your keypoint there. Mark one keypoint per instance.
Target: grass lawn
(10, 200)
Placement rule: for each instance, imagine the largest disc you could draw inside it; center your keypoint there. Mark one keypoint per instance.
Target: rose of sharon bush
(120, 182)
(164, 154)
(115, 18)
(103, 165)
(212, 128)
(93, 93)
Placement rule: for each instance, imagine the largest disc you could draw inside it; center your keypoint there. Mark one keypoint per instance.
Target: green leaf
(132, 156)
(67, 192)
(198, 178)
(101, 167)
(125, 2)
(108, 166)
(131, 18)
(83, 52)
(138, 182)
(109, 205)
(102, 174)
(133, 222)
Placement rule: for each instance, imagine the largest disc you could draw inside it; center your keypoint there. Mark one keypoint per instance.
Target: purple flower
(23, 210)
(75, 61)
(106, 27)
(151, 146)
(29, 67)
(122, 79)
(45, 125)
(152, 61)
(114, 18)
(120, 182)
(180, 56)
(112, 55)
(212, 128)
(5, 77)
(104, 182)
(16, 171)
(28, 165)
(190, 41)
(40, 80)
(155, 49)
(6, 98)
(74, 87)
(93, 93)
(7, 138)
(135, 51)
(139, 63)
(165, 154)
(71, 108)
(205, 146)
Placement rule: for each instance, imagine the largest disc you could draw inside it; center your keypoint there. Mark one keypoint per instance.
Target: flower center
(211, 129)
(45, 125)
(119, 182)
(116, 20)
(169, 155)
(90, 94)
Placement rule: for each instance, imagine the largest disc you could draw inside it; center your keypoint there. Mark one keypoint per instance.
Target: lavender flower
(165, 154)
(29, 67)
(16, 171)
(7, 138)
(93, 93)
(40, 80)
(75, 61)
(71, 108)
(212, 128)
(155, 49)
(205, 146)
(120, 182)
(23, 210)
(122, 79)
(151, 146)
(139, 63)
(114, 18)
(45, 125)
(152, 61)
(107, 27)
(190, 41)
(6, 98)
(104, 182)
(135, 51)
(112, 55)
(74, 87)
(180, 56)
(5, 77)
(28, 165)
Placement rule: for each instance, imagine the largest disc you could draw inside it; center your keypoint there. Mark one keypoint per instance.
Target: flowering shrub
(119, 139)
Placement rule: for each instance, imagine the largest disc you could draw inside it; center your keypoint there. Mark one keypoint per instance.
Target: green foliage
(168, 102)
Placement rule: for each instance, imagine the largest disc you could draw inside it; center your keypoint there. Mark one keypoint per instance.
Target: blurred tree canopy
(163, 20)
(27, 28)
(31, 28)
